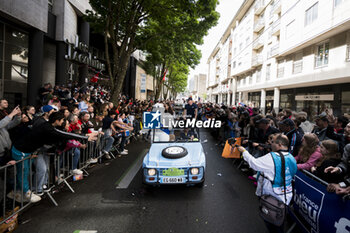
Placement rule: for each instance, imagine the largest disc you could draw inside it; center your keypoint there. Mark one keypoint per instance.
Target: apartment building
(284, 54)
(197, 87)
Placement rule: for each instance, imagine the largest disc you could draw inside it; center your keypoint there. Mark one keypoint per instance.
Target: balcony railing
(259, 25)
(297, 67)
(257, 60)
(276, 7)
(280, 72)
(274, 50)
(258, 42)
(259, 6)
(276, 26)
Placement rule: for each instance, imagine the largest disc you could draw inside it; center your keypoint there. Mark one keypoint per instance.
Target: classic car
(176, 156)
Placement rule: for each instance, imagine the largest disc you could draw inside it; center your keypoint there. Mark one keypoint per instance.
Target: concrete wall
(31, 12)
(149, 84)
(70, 23)
(49, 64)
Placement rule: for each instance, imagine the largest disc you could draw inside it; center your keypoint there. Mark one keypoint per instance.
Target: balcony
(280, 72)
(260, 24)
(297, 67)
(257, 60)
(274, 50)
(259, 7)
(276, 27)
(258, 43)
(276, 7)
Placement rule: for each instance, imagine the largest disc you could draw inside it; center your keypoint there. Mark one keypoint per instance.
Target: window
(234, 65)
(24, 70)
(234, 51)
(240, 46)
(250, 79)
(268, 72)
(247, 41)
(348, 52)
(280, 69)
(258, 76)
(321, 58)
(311, 14)
(338, 2)
(298, 63)
(50, 8)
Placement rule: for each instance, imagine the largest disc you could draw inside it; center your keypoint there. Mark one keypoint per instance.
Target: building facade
(197, 87)
(48, 41)
(284, 54)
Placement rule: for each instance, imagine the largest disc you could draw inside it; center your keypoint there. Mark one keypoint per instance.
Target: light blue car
(175, 157)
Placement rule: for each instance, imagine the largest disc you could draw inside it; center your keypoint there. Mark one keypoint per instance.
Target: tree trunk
(165, 92)
(158, 89)
(119, 78)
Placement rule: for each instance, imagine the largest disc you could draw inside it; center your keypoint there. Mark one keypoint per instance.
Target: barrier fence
(316, 210)
(42, 172)
(313, 208)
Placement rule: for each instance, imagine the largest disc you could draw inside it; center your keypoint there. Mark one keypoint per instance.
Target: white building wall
(212, 70)
(70, 23)
(328, 17)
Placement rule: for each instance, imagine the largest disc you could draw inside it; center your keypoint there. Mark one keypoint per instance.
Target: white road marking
(131, 173)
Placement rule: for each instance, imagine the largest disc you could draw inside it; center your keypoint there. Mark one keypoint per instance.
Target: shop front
(269, 101)
(84, 62)
(254, 99)
(13, 64)
(315, 100)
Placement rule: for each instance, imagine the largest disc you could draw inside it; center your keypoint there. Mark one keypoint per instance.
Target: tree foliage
(167, 29)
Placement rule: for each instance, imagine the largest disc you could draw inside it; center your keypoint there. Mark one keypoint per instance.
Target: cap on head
(287, 122)
(46, 108)
(322, 117)
(263, 121)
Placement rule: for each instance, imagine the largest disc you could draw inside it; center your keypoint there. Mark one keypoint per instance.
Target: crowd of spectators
(322, 148)
(70, 114)
(63, 121)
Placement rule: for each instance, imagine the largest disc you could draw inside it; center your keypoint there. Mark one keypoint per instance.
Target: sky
(227, 10)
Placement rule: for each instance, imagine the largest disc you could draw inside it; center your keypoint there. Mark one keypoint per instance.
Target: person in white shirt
(268, 181)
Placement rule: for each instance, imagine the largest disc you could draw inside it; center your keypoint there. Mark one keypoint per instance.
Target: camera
(231, 141)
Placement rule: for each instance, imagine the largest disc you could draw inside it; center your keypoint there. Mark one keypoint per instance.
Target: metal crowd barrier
(314, 209)
(9, 180)
(58, 171)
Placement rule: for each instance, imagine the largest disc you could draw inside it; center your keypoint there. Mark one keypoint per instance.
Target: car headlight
(194, 171)
(151, 172)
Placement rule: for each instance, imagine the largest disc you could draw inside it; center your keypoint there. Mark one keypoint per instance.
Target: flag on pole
(165, 72)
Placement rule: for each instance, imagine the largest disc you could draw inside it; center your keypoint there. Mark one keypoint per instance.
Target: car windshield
(175, 135)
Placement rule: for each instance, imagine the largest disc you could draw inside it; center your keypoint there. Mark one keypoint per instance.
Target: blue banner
(317, 210)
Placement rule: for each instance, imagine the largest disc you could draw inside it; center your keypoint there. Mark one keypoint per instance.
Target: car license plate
(172, 180)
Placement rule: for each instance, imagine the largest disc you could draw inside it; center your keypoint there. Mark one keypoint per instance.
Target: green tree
(128, 25)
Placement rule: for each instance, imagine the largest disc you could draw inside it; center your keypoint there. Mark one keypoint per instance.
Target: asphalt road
(226, 203)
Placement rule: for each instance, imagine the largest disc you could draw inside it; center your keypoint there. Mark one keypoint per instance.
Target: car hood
(193, 158)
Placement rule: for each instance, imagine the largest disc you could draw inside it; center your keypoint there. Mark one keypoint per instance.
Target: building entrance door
(269, 105)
